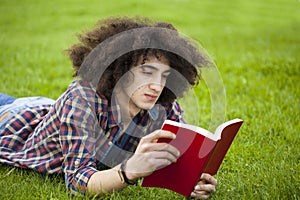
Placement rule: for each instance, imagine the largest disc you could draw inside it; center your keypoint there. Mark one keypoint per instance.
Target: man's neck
(128, 110)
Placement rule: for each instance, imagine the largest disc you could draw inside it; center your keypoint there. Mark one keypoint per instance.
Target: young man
(103, 136)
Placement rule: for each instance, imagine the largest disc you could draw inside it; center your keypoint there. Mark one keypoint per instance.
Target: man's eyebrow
(154, 68)
(150, 67)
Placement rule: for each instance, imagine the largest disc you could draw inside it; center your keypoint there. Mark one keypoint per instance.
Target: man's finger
(209, 188)
(148, 147)
(154, 136)
(202, 196)
(208, 179)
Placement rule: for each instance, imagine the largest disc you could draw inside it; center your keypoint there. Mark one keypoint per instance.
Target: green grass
(256, 45)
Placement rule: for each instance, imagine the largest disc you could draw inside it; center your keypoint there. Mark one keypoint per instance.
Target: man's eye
(165, 75)
(147, 73)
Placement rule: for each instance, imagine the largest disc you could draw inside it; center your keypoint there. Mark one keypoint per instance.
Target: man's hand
(150, 155)
(205, 187)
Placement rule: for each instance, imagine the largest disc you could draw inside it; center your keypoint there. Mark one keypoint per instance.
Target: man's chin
(148, 107)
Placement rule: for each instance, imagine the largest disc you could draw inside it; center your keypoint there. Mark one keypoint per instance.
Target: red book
(201, 151)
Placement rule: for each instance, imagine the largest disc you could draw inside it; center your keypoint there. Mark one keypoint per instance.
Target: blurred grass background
(255, 44)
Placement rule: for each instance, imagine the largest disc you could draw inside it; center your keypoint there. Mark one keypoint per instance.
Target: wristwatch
(123, 176)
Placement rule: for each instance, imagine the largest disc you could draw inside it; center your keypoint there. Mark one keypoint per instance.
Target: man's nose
(157, 84)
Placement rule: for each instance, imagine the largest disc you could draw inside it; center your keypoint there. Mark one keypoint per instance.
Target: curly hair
(112, 26)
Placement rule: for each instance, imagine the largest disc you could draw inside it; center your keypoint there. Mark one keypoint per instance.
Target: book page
(196, 129)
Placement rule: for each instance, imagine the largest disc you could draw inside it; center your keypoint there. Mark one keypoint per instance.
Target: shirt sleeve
(77, 140)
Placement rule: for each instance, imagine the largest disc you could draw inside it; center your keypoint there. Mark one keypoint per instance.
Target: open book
(201, 152)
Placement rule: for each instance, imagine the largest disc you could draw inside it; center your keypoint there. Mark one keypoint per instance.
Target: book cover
(201, 151)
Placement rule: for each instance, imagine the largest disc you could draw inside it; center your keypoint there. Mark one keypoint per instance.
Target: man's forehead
(156, 66)
(152, 57)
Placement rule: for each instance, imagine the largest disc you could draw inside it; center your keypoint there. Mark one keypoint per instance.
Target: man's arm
(148, 157)
(105, 181)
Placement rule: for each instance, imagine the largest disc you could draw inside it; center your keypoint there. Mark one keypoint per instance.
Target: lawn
(255, 44)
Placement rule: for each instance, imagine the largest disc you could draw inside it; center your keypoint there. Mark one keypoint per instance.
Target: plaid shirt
(78, 135)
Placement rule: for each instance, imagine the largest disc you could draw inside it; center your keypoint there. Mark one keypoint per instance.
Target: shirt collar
(114, 114)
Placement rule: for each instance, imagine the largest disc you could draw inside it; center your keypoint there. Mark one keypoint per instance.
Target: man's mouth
(151, 97)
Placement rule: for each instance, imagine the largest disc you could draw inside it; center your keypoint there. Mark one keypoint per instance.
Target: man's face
(148, 82)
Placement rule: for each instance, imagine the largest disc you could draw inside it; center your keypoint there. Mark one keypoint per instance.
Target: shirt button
(110, 143)
(77, 162)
